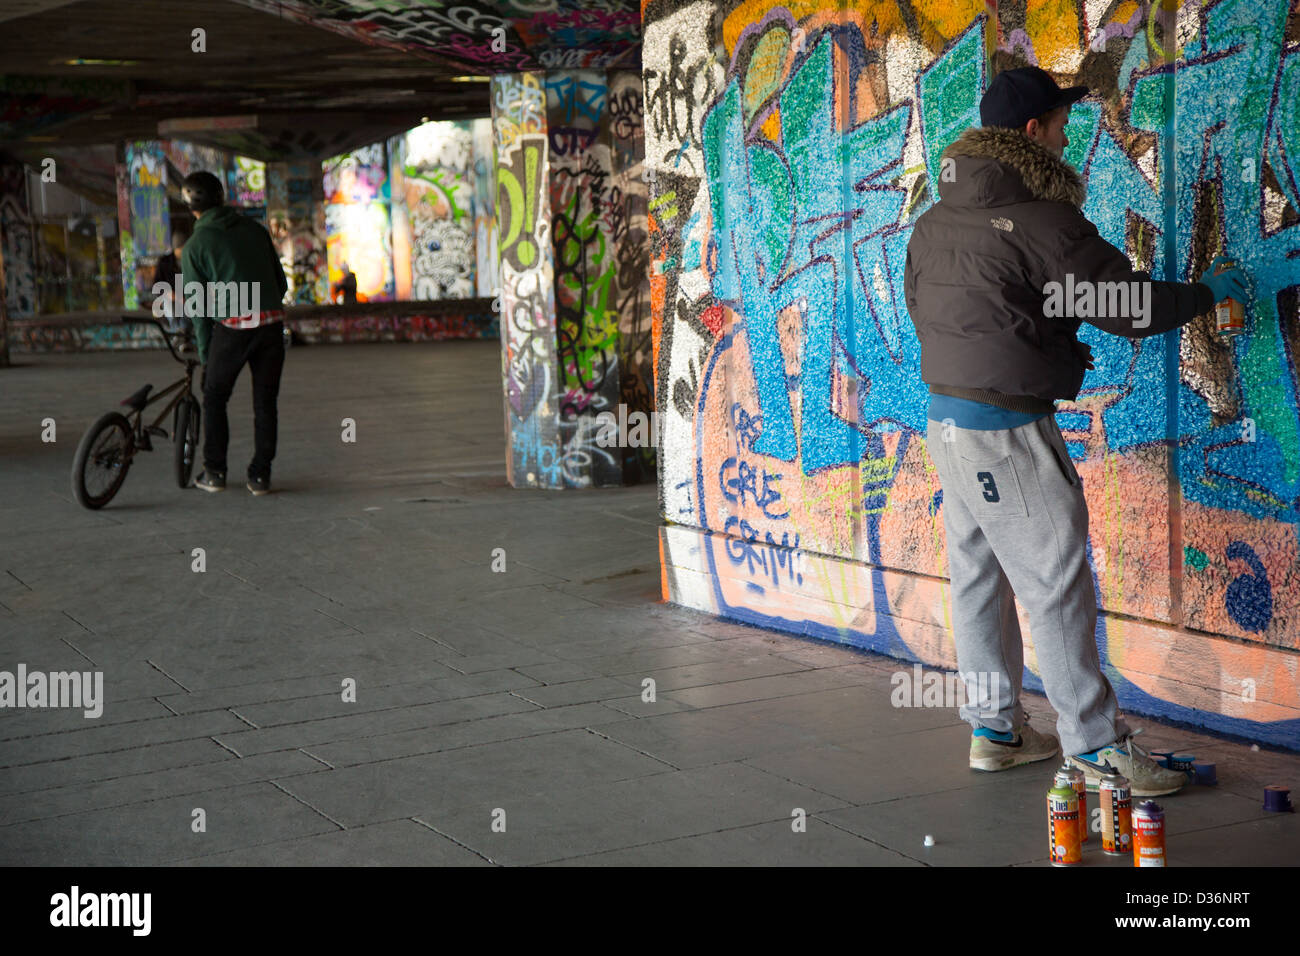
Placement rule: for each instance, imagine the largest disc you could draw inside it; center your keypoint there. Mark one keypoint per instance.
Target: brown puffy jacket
(979, 264)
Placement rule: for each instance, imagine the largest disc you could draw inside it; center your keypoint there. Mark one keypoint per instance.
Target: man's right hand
(1231, 283)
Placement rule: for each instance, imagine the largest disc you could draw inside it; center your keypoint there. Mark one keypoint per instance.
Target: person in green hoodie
(238, 320)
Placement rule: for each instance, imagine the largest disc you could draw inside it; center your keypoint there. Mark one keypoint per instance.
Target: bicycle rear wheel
(186, 439)
(102, 461)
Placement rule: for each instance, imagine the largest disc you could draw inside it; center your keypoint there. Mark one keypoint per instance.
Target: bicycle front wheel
(102, 461)
(186, 438)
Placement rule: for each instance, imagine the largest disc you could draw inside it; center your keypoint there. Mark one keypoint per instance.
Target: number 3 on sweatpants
(990, 486)
(995, 489)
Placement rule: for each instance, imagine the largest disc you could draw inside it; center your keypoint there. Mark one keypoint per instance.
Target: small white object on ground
(1255, 747)
(929, 840)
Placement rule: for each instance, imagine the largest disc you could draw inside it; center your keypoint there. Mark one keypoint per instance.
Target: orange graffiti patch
(1053, 26)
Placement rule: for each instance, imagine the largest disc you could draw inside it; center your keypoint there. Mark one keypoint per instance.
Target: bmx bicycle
(109, 446)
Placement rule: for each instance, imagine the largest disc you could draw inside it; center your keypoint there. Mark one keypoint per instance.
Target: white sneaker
(1146, 778)
(1029, 745)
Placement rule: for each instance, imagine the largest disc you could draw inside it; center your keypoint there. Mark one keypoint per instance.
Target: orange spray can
(1229, 314)
(1063, 826)
(1148, 834)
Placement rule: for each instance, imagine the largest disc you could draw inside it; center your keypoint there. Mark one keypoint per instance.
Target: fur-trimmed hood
(980, 179)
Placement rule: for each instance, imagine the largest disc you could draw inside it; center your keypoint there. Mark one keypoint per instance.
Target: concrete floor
(477, 692)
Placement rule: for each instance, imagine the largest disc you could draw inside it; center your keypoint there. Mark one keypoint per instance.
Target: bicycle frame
(183, 387)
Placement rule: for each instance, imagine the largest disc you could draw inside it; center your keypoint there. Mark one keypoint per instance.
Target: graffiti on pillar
(584, 200)
(19, 256)
(487, 257)
(357, 224)
(357, 177)
(438, 197)
(790, 152)
(147, 179)
(125, 242)
(627, 227)
(250, 182)
(534, 456)
(296, 221)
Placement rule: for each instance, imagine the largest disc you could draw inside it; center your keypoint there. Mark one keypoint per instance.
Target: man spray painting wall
(983, 286)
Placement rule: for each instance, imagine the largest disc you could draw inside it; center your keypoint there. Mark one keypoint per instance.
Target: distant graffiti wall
(309, 325)
(17, 242)
(464, 319)
(791, 147)
(357, 222)
(54, 336)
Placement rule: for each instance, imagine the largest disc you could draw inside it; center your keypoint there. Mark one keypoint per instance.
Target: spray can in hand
(1229, 314)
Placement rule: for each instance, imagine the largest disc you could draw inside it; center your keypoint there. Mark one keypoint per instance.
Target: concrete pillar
(143, 222)
(295, 213)
(571, 223)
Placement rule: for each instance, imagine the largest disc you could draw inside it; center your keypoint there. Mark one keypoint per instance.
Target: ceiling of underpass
(279, 79)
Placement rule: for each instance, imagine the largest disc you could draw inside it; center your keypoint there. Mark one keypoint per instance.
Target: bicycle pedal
(156, 430)
(146, 443)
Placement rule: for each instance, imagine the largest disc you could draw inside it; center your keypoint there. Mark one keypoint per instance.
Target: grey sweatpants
(1017, 521)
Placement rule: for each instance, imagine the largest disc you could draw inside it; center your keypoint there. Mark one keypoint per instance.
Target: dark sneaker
(259, 486)
(211, 481)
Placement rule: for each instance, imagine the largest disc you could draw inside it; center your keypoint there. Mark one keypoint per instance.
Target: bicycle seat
(139, 399)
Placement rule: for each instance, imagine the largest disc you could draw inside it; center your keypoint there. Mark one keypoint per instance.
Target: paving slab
(485, 775)
(162, 830)
(762, 844)
(425, 718)
(523, 719)
(650, 809)
(397, 843)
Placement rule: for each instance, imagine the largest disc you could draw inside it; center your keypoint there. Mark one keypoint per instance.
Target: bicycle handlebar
(129, 319)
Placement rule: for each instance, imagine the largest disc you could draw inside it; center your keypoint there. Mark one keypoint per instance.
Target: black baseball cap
(1017, 96)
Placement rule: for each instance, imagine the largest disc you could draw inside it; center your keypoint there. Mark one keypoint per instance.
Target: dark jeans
(263, 349)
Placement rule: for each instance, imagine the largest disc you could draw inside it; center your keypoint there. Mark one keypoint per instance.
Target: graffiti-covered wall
(357, 221)
(17, 242)
(791, 147)
(570, 215)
